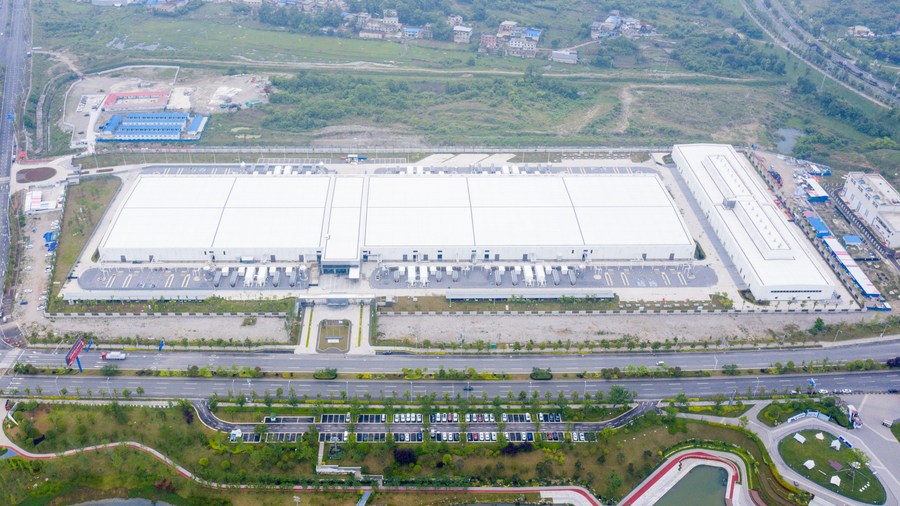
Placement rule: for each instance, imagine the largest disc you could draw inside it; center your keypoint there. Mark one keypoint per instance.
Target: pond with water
(788, 138)
(701, 486)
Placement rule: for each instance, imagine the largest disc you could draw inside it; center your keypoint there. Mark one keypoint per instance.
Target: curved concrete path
(771, 436)
(649, 491)
(577, 496)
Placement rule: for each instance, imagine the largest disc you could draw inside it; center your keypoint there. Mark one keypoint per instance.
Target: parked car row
(549, 417)
(450, 437)
(481, 436)
(519, 436)
(444, 418)
(408, 417)
(480, 418)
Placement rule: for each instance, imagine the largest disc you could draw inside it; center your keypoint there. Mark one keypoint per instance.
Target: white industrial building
(767, 254)
(340, 221)
(876, 203)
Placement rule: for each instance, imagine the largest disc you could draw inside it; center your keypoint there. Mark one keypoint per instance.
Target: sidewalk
(576, 496)
(771, 436)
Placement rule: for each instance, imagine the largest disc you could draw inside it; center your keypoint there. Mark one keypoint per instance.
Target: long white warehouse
(766, 253)
(342, 220)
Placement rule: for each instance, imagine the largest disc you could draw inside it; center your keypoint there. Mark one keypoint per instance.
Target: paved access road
(214, 422)
(646, 389)
(12, 51)
(288, 362)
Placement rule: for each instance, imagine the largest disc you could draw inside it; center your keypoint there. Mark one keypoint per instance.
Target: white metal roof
(342, 241)
(760, 231)
(525, 226)
(533, 191)
(615, 190)
(262, 191)
(417, 191)
(289, 227)
(632, 226)
(172, 228)
(190, 191)
(418, 226)
(342, 214)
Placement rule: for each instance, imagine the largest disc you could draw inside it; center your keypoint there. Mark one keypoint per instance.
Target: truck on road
(113, 355)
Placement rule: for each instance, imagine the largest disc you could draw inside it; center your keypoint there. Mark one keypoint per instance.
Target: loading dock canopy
(394, 216)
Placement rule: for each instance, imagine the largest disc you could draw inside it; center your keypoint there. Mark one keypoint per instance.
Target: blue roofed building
(533, 34)
(152, 127)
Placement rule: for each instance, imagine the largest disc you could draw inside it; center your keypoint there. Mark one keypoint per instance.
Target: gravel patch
(508, 329)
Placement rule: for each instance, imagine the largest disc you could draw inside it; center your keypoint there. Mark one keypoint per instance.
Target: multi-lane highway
(200, 388)
(513, 364)
(13, 47)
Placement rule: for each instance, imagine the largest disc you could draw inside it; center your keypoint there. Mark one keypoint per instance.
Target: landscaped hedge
(325, 374)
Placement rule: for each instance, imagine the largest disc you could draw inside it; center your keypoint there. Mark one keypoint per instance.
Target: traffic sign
(76, 348)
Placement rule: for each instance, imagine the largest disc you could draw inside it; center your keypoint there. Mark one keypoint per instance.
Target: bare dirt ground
(508, 329)
(266, 330)
(194, 90)
(202, 93)
(352, 135)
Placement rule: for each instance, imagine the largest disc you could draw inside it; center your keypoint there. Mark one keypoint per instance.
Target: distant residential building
(462, 34)
(532, 34)
(365, 33)
(361, 19)
(860, 32)
(569, 57)
(520, 46)
(507, 29)
(454, 20)
(390, 18)
(489, 43)
(411, 32)
(615, 25)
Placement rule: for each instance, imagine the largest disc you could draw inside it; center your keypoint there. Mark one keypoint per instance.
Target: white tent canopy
(836, 444)
(836, 481)
(800, 439)
(809, 464)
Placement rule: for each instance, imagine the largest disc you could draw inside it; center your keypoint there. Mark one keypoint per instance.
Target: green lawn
(723, 410)
(632, 103)
(895, 430)
(864, 487)
(779, 412)
(334, 329)
(632, 452)
(85, 205)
